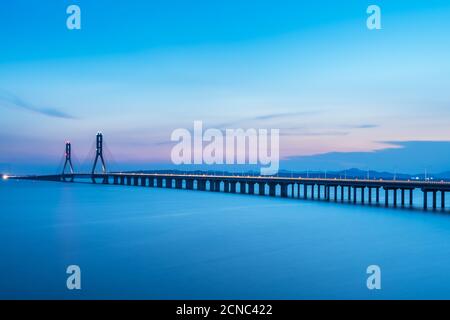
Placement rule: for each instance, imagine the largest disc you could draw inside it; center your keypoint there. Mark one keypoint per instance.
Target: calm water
(134, 242)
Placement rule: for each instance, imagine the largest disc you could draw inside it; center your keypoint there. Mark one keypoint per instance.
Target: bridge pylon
(68, 162)
(98, 155)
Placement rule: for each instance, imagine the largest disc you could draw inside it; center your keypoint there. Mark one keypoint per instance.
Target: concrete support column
(143, 181)
(201, 185)
(178, 183)
(272, 189)
(434, 199)
(342, 193)
(335, 194)
(377, 195)
(251, 188)
(370, 194)
(189, 184)
(262, 189)
(349, 193)
(425, 199)
(386, 197)
(233, 187)
(284, 190)
(354, 194)
(305, 191)
(362, 195)
(116, 180)
(411, 197)
(395, 197)
(403, 197)
(313, 187)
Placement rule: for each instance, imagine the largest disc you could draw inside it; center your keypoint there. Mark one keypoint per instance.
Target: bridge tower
(68, 161)
(99, 153)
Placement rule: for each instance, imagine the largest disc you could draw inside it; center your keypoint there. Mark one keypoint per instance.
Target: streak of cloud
(267, 117)
(10, 100)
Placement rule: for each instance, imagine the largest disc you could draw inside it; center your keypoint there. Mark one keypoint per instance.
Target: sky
(341, 94)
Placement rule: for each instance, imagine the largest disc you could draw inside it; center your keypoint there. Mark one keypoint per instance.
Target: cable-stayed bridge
(395, 193)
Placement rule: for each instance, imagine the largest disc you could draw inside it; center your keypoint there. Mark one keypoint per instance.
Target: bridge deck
(228, 183)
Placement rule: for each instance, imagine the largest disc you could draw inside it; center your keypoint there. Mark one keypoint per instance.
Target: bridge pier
(349, 193)
(434, 199)
(342, 193)
(232, 187)
(395, 197)
(425, 199)
(201, 185)
(251, 188)
(261, 189)
(377, 195)
(272, 189)
(410, 197)
(370, 195)
(283, 190)
(386, 197)
(354, 194)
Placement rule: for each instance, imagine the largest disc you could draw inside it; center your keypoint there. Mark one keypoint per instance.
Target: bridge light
(5, 177)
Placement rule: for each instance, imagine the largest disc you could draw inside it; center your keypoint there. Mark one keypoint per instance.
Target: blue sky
(137, 70)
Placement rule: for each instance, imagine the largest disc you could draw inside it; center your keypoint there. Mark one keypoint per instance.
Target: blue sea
(149, 243)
